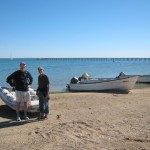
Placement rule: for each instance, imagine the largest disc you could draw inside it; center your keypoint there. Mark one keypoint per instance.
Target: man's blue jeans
(43, 104)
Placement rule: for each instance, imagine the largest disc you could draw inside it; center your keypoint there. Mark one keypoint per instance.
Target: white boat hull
(9, 99)
(124, 84)
(142, 78)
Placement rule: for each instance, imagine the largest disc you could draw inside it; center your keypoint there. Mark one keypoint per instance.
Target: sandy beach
(82, 121)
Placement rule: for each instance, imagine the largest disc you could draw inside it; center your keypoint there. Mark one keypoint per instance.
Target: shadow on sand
(8, 113)
(104, 91)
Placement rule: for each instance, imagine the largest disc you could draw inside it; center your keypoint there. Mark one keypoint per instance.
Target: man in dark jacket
(21, 80)
(43, 93)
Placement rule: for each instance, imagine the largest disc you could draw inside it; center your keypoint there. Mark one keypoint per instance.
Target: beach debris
(36, 132)
(58, 116)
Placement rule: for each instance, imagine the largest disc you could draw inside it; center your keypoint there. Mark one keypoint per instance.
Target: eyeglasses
(23, 65)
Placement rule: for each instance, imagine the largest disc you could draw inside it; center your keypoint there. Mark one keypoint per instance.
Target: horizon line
(76, 58)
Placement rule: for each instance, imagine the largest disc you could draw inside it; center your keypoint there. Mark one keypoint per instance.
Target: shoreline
(137, 86)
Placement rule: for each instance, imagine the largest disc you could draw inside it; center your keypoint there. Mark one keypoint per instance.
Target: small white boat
(9, 98)
(142, 78)
(99, 84)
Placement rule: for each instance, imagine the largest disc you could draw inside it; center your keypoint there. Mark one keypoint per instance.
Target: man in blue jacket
(21, 79)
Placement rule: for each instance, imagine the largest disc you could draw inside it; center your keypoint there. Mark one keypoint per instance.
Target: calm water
(60, 71)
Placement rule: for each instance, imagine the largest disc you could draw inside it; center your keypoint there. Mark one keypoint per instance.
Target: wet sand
(82, 121)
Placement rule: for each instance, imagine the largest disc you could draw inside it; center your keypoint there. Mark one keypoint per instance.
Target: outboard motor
(121, 75)
(74, 80)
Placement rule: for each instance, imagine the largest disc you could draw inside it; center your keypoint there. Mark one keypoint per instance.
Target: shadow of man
(8, 113)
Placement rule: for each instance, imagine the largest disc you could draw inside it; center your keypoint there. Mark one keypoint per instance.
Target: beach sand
(82, 121)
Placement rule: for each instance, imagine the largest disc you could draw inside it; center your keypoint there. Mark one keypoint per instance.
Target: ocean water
(60, 71)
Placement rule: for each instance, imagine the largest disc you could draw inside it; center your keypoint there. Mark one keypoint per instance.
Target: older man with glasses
(21, 79)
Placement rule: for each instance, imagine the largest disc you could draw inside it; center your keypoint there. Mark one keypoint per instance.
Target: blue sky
(74, 28)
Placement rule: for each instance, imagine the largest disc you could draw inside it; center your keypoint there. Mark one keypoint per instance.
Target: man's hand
(37, 92)
(13, 88)
(47, 97)
(29, 86)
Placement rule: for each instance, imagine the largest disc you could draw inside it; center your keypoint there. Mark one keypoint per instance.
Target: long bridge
(100, 59)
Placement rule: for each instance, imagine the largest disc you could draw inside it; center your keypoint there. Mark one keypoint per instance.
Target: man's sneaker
(26, 118)
(42, 118)
(18, 118)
